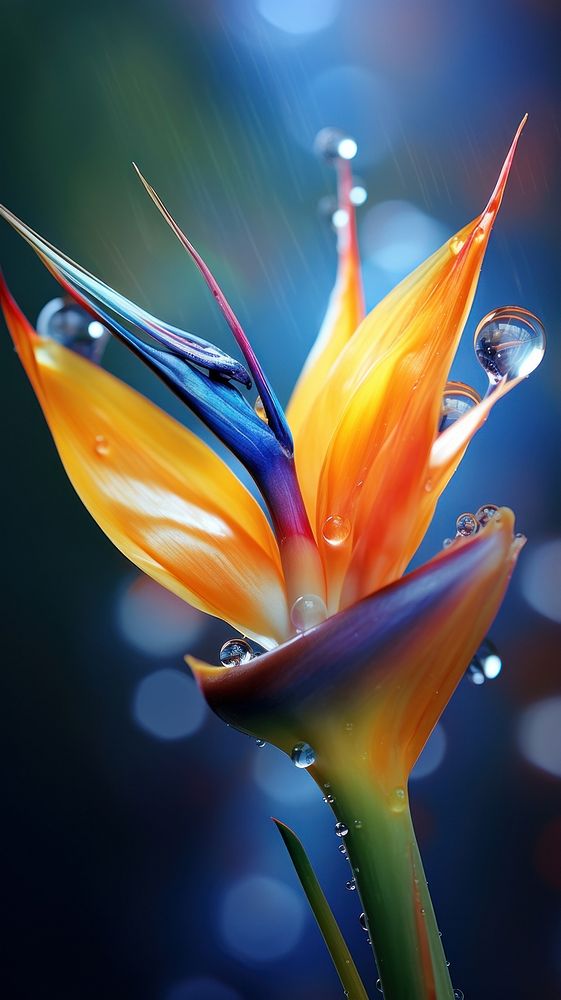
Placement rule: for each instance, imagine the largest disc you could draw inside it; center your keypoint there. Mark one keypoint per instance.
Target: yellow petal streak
(160, 494)
(391, 378)
(310, 410)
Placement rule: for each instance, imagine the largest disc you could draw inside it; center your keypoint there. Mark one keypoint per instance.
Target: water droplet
(457, 399)
(485, 513)
(466, 525)
(65, 321)
(509, 342)
(379, 985)
(336, 529)
(343, 849)
(486, 664)
(447, 543)
(398, 800)
(332, 144)
(330, 799)
(349, 727)
(456, 245)
(351, 885)
(362, 921)
(458, 994)
(428, 486)
(101, 445)
(307, 611)
(261, 743)
(357, 824)
(303, 755)
(260, 409)
(341, 830)
(234, 652)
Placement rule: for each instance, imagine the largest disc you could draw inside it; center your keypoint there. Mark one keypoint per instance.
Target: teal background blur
(140, 862)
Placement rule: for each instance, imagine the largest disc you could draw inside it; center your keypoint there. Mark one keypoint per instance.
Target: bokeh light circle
(541, 579)
(169, 705)
(397, 236)
(432, 755)
(261, 919)
(275, 775)
(155, 621)
(539, 735)
(299, 17)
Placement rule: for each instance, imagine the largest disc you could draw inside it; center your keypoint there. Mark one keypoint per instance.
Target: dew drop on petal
(307, 611)
(466, 525)
(509, 342)
(379, 985)
(456, 245)
(447, 543)
(343, 849)
(458, 994)
(101, 445)
(336, 529)
(485, 513)
(65, 321)
(303, 755)
(351, 885)
(362, 921)
(457, 399)
(341, 830)
(357, 824)
(235, 652)
(398, 800)
(260, 744)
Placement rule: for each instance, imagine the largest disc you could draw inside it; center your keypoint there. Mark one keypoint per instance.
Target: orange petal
(309, 411)
(391, 378)
(160, 494)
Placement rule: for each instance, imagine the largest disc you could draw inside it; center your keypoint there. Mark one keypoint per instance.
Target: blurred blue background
(140, 860)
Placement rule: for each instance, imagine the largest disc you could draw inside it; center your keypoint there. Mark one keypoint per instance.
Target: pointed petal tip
(489, 213)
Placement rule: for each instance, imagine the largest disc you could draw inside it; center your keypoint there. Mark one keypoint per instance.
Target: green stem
(387, 867)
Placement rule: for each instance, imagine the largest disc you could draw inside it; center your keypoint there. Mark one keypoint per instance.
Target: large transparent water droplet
(362, 921)
(457, 399)
(307, 611)
(509, 342)
(65, 321)
(486, 665)
(466, 525)
(332, 144)
(336, 529)
(303, 755)
(234, 652)
(341, 830)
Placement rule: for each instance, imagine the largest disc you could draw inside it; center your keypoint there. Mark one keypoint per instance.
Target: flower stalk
(386, 865)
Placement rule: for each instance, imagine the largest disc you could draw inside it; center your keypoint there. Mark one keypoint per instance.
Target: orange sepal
(160, 494)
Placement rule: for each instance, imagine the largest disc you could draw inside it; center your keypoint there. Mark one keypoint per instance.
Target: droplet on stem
(332, 144)
(341, 830)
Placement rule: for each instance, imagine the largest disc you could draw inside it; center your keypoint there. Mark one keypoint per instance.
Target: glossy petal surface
(159, 493)
(372, 681)
(390, 380)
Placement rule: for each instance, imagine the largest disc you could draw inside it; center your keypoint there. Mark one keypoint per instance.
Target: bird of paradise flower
(357, 661)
